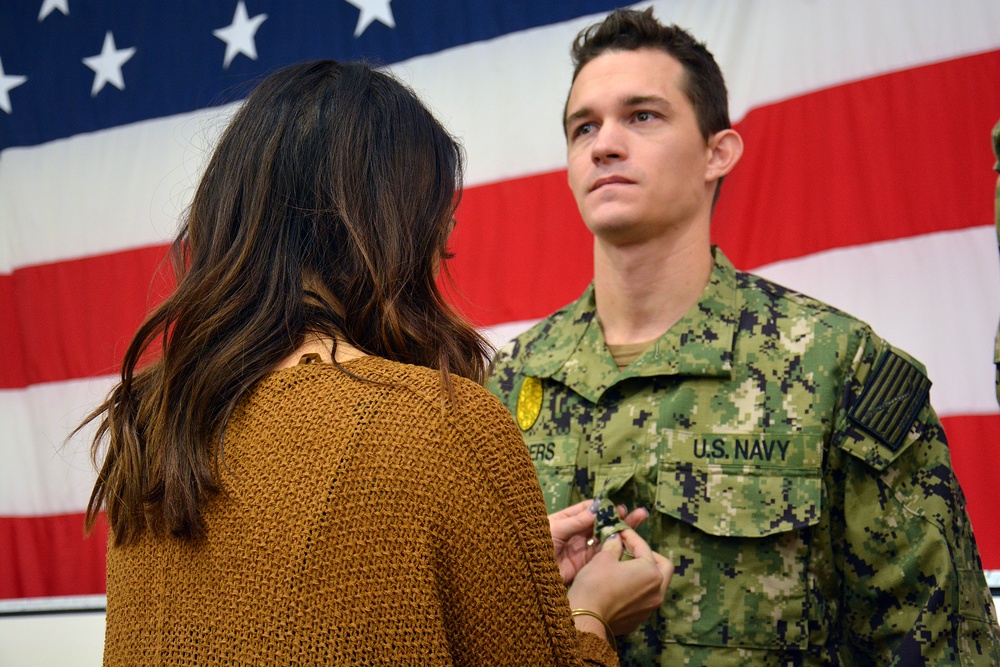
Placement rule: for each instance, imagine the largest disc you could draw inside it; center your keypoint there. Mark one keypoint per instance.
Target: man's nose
(609, 144)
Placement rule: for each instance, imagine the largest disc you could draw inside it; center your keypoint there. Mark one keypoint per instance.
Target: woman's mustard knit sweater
(361, 523)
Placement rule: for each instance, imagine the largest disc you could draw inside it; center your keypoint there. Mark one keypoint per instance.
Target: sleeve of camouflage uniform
(996, 167)
(914, 592)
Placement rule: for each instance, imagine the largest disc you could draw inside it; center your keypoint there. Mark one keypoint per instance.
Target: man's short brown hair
(630, 30)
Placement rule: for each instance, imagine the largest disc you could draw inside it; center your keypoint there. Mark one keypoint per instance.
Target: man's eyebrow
(579, 113)
(628, 102)
(638, 100)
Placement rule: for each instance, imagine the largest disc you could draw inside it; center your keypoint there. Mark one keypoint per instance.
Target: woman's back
(360, 522)
(389, 518)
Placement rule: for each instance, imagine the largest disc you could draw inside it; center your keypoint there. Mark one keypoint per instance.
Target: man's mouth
(614, 179)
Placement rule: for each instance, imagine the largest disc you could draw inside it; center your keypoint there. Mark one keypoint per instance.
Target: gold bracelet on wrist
(607, 628)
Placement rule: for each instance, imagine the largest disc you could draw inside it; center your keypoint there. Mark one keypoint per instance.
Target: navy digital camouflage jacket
(795, 473)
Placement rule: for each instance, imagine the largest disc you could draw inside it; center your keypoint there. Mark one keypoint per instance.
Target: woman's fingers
(614, 546)
(635, 544)
(666, 567)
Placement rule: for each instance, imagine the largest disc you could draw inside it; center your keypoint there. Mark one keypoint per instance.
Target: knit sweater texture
(364, 520)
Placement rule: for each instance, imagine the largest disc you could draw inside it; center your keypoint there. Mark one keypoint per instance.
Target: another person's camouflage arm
(996, 167)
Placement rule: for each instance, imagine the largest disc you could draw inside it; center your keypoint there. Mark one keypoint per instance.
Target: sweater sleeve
(495, 565)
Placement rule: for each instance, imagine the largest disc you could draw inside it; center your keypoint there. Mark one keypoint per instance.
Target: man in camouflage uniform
(794, 470)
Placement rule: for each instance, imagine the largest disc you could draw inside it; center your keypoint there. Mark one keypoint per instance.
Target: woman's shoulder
(466, 404)
(325, 380)
(422, 381)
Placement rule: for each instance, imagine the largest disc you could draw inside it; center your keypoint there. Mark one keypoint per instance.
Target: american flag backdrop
(867, 182)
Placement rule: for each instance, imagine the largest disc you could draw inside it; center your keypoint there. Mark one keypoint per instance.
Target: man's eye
(585, 128)
(643, 116)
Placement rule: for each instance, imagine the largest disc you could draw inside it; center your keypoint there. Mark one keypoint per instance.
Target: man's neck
(644, 289)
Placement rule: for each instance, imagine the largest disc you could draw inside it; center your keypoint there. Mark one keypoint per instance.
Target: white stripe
(773, 50)
(500, 334)
(127, 187)
(43, 473)
(935, 296)
(102, 192)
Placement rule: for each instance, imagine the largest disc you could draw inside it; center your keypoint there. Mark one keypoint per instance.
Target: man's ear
(726, 149)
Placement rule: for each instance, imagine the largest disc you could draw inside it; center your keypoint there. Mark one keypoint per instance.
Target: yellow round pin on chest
(529, 402)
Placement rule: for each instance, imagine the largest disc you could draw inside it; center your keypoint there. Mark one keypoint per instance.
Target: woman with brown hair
(309, 471)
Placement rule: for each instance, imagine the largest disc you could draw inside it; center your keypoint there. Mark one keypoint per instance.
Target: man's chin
(610, 220)
(619, 231)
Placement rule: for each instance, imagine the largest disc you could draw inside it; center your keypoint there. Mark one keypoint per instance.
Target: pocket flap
(740, 501)
(741, 484)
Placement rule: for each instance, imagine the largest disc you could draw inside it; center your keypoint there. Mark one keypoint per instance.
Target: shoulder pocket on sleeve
(882, 418)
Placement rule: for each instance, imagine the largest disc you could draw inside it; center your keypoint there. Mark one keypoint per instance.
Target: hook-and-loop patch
(892, 396)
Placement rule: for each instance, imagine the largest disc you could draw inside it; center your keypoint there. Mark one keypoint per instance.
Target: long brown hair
(325, 209)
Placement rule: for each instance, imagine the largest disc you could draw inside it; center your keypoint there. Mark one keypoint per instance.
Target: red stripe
(49, 555)
(521, 250)
(976, 458)
(74, 319)
(13, 371)
(898, 155)
(910, 154)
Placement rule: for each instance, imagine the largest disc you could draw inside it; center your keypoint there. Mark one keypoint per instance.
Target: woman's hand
(624, 592)
(573, 531)
(571, 528)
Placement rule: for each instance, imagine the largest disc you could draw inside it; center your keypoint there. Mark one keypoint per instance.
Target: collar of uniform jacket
(571, 349)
